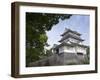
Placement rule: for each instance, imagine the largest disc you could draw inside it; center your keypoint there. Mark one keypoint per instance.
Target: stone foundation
(61, 59)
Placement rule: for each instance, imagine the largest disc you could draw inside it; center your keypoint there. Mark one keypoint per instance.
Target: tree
(49, 52)
(36, 26)
(88, 52)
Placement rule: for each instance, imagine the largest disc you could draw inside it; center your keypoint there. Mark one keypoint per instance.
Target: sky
(79, 23)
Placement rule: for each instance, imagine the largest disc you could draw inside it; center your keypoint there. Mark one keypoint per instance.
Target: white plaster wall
(72, 49)
(80, 49)
(61, 49)
(67, 49)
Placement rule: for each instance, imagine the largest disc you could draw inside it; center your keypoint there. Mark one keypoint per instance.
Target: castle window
(79, 53)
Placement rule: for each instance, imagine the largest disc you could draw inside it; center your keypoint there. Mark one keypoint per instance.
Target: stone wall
(60, 59)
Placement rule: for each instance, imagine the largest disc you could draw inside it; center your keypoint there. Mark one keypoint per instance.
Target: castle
(71, 42)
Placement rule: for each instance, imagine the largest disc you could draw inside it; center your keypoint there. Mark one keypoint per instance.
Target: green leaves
(43, 38)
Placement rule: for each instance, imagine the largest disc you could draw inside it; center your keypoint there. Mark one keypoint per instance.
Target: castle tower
(70, 36)
(71, 42)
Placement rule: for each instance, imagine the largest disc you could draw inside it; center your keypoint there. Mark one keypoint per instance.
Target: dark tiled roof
(71, 44)
(64, 44)
(71, 36)
(69, 30)
(81, 45)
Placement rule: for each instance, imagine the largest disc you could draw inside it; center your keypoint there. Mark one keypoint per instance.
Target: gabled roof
(69, 30)
(71, 44)
(81, 45)
(64, 44)
(71, 36)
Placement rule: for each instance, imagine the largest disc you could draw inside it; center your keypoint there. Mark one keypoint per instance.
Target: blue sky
(79, 23)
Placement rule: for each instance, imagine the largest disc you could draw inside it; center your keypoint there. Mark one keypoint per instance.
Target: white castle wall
(68, 49)
(81, 49)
